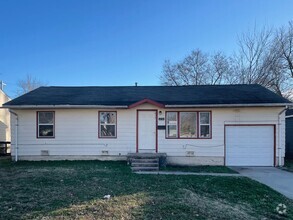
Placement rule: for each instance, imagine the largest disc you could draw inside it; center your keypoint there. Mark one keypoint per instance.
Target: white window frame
(100, 124)
(171, 124)
(39, 124)
(200, 124)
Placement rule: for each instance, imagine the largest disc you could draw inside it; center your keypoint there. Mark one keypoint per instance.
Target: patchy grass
(199, 169)
(74, 190)
(288, 165)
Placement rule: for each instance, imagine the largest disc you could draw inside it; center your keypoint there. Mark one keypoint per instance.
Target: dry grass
(75, 190)
(122, 207)
(220, 208)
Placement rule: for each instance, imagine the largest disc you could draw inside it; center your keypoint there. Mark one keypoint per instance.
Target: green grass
(199, 169)
(74, 190)
(289, 165)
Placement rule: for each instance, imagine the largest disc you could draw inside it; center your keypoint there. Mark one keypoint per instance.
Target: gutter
(16, 135)
(126, 106)
(231, 105)
(289, 108)
(66, 106)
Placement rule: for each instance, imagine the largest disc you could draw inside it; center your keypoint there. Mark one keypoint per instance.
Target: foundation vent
(105, 152)
(190, 153)
(45, 153)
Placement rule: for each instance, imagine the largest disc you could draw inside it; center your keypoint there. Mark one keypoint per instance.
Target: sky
(120, 42)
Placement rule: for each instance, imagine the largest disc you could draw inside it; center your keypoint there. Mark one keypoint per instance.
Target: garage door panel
(249, 145)
(244, 154)
(256, 150)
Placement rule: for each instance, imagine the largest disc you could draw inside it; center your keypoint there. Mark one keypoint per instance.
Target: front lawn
(75, 190)
(199, 169)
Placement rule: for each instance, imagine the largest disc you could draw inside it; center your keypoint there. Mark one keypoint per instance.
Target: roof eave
(126, 107)
(65, 106)
(231, 105)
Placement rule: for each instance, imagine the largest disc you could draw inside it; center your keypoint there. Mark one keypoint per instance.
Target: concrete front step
(135, 169)
(145, 160)
(146, 155)
(144, 164)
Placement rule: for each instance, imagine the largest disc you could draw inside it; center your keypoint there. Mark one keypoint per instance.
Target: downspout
(279, 136)
(16, 135)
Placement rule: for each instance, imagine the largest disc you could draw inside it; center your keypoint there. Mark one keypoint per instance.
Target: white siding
(76, 132)
(220, 117)
(4, 118)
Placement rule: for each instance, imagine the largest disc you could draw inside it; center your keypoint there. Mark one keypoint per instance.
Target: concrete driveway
(279, 180)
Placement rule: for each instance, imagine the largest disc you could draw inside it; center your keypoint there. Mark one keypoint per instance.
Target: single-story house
(4, 124)
(235, 125)
(289, 134)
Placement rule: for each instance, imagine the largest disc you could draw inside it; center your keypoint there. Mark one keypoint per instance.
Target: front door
(147, 135)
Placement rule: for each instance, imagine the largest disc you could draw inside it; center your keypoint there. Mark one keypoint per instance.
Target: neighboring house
(4, 121)
(289, 134)
(215, 125)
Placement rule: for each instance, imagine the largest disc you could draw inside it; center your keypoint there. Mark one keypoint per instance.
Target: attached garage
(250, 145)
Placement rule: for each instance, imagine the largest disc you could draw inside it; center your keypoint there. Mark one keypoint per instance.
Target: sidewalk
(277, 179)
(187, 173)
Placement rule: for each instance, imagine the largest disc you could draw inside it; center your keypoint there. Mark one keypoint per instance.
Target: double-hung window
(172, 125)
(190, 125)
(45, 124)
(204, 124)
(107, 124)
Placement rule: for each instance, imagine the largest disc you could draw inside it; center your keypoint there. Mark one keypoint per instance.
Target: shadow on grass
(288, 165)
(74, 190)
(199, 169)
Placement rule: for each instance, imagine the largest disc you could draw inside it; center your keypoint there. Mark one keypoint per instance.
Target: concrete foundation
(171, 160)
(282, 161)
(190, 161)
(52, 158)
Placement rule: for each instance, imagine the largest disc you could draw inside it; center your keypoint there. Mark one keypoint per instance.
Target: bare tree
(283, 45)
(263, 57)
(169, 77)
(191, 71)
(251, 59)
(258, 61)
(220, 69)
(28, 84)
(197, 68)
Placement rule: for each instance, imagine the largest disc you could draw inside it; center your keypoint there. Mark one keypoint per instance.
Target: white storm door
(147, 136)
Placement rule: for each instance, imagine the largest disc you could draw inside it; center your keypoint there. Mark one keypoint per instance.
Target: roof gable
(144, 101)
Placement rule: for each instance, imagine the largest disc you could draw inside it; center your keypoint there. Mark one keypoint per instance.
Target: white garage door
(249, 145)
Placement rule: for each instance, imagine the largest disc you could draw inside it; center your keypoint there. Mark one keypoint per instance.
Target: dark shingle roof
(167, 95)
